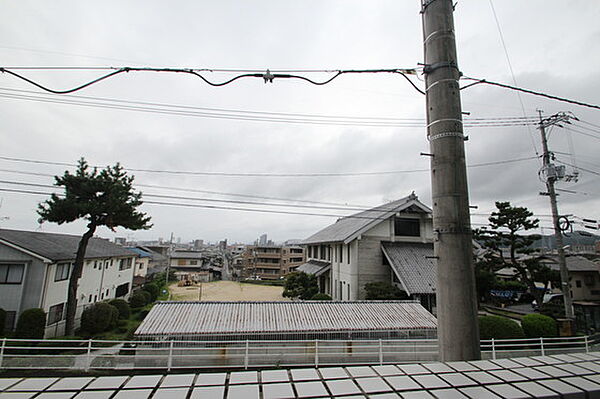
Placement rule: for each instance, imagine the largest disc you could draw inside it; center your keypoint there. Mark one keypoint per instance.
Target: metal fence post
(542, 346)
(2, 351)
(493, 349)
(316, 353)
(380, 352)
(585, 339)
(246, 357)
(170, 359)
(88, 361)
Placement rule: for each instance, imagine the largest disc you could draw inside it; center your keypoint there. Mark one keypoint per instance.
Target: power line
(267, 76)
(248, 115)
(535, 93)
(512, 73)
(290, 175)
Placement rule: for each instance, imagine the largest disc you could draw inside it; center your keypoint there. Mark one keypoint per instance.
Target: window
(193, 262)
(107, 291)
(62, 271)
(55, 313)
(578, 283)
(11, 273)
(9, 322)
(348, 291)
(407, 227)
(106, 264)
(90, 299)
(348, 257)
(122, 290)
(125, 264)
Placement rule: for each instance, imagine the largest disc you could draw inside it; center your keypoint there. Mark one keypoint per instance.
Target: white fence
(166, 355)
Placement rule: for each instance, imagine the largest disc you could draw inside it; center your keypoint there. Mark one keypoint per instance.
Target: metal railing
(91, 354)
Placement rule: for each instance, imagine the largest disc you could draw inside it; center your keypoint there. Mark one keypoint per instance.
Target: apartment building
(269, 262)
(35, 268)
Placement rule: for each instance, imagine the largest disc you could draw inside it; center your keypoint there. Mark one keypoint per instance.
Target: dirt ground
(227, 291)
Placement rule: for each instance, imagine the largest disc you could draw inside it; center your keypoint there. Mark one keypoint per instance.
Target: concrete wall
(18, 297)
(589, 289)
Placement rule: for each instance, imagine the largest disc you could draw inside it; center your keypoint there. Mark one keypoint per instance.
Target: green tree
(507, 247)
(383, 291)
(99, 317)
(300, 285)
(102, 198)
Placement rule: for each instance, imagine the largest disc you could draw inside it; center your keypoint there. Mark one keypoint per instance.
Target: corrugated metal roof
(61, 246)
(316, 267)
(411, 264)
(196, 318)
(345, 228)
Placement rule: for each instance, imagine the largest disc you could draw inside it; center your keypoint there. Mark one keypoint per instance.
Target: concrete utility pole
(550, 173)
(458, 331)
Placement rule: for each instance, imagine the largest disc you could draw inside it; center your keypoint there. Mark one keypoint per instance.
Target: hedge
(320, 297)
(31, 324)
(2, 321)
(499, 328)
(153, 290)
(123, 308)
(139, 299)
(537, 325)
(99, 317)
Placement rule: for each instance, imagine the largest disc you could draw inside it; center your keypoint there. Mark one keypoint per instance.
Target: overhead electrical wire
(290, 175)
(267, 76)
(512, 74)
(478, 81)
(249, 115)
(234, 208)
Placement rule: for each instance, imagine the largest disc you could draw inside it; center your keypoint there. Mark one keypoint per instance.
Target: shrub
(31, 324)
(142, 315)
(320, 297)
(153, 290)
(123, 308)
(2, 321)
(99, 317)
(300, 285)
(538, 325)
(138, 299)
(499, 328)
(383, 291)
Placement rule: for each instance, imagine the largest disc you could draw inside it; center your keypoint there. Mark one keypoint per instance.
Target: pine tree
(102, 198)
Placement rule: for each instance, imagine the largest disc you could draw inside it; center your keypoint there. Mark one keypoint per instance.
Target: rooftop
(413, 265)
(57, 247)
(195, 318)
(347, 228)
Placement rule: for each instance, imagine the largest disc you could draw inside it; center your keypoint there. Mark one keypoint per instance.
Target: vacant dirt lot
(227, 291)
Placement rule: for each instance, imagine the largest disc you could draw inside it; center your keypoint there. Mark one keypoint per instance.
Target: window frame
(5, 278)
(61, 267)
(409, 221)
(56, 319)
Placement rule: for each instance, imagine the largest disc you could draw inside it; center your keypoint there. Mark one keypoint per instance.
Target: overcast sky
(554, 47)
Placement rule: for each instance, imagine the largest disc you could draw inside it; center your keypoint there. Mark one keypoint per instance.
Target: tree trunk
(74, 279)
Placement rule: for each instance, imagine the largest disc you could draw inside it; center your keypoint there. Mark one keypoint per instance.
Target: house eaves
(349, 228)
(25, 251)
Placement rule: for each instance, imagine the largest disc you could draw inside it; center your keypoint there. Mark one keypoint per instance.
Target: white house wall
(18, 297)
(95, 285)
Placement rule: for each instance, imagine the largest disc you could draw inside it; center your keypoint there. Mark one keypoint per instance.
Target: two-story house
(391, 243)
(35, 268)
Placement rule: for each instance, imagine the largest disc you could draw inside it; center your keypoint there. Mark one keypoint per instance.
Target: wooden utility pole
(550, 174)
(458, 332)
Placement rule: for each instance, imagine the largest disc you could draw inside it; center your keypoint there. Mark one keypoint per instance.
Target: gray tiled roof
(411, 264)
(61, 246)
(316, 267)
(346, 227)
(574, 263)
